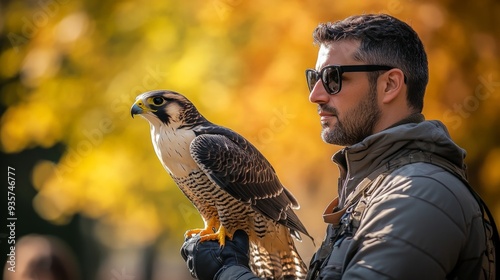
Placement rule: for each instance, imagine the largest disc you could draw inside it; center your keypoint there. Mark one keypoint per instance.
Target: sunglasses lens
(331, 79)
(312, 78)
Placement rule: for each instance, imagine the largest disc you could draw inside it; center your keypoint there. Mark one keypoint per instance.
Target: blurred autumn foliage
(70, 70)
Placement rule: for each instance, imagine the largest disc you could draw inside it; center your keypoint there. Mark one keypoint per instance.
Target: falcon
(231, 184)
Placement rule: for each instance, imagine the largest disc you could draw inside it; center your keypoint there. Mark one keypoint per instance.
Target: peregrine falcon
(228, 180)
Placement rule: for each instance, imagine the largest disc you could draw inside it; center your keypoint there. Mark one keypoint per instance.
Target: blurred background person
(43, 258)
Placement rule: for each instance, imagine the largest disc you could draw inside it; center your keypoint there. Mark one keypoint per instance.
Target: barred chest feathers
(172, 148)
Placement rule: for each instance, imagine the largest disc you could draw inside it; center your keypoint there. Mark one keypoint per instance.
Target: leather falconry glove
(205, 260)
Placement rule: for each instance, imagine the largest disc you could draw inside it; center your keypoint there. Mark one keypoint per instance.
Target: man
(403, 211)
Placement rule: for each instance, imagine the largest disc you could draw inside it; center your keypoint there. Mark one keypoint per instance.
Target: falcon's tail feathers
(276, 257)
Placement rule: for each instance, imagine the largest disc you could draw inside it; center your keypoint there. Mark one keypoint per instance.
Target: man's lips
(326, 113)
(324, 116)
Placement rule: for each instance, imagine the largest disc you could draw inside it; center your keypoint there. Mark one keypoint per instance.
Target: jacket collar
(341, 158)
(412, 133)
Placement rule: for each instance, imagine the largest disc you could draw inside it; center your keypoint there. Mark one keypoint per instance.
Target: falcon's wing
(241, 170)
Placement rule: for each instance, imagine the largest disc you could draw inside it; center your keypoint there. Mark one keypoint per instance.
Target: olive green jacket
(420, 222)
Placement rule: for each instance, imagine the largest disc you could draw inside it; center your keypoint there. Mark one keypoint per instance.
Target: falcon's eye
(158, 100)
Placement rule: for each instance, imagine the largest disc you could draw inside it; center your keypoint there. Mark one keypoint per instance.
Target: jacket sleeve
(236, 272)
(412, 228)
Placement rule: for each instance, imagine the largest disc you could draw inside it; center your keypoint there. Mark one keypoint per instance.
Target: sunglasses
(331, 75)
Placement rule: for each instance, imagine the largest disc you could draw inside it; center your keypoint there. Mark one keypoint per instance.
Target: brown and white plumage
(228, 180)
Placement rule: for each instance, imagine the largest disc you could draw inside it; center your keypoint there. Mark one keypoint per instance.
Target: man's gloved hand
(205, 259)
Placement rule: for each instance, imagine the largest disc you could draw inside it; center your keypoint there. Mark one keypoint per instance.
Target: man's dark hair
(384, 40)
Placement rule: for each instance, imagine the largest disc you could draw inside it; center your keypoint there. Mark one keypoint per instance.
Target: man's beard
(352, 126)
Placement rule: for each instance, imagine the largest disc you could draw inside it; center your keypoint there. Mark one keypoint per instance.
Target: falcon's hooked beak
(139, 108)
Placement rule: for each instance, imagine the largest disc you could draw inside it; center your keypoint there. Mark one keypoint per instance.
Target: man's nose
(318, 94)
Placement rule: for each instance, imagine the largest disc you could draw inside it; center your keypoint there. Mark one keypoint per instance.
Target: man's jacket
(420, 222)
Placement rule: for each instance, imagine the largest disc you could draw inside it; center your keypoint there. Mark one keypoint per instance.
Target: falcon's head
(163, 107)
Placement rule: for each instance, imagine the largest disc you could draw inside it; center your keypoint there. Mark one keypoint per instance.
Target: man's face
(349, 116)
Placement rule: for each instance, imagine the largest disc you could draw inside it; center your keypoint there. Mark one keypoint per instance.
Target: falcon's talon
(200, 231)
(210, 228)
(220, 236)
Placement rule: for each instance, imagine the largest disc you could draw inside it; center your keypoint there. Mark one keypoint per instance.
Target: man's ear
(393, 84)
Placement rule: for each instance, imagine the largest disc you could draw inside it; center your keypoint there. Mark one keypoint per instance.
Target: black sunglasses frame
(340, 69)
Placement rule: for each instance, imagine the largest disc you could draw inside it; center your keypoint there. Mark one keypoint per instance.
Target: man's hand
(205, 259)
